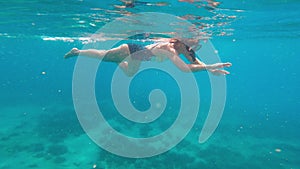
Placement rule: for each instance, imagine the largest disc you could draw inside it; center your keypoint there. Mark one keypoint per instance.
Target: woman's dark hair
(190, 50)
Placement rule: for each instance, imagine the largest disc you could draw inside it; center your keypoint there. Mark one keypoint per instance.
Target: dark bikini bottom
(139, 52)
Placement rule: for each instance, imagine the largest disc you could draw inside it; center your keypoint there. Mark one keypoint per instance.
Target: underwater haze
(260, 125)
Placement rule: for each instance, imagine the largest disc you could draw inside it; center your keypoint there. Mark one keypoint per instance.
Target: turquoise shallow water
(259, 127)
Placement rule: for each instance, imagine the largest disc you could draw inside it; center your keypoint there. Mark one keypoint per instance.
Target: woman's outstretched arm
(216, 68)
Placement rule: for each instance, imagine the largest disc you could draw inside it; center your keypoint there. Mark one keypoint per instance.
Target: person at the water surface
(134, 3)
(129, 56)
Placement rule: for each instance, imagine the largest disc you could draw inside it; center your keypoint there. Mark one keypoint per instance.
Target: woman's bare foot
(72, 53)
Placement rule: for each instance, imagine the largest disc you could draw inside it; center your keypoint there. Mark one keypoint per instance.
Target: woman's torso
(161, 51)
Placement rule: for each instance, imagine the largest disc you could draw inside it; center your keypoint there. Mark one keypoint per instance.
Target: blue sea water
(39, 126)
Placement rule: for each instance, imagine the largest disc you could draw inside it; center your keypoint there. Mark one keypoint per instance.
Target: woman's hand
(218, 65)
(218, 72)
(216, 69)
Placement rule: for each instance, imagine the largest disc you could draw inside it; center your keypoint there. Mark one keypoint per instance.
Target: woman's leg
(120, 55)
(113, 55)
(89, 53)
(130, 66)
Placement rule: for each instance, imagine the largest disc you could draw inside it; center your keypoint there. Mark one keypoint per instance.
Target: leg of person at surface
(118, 55)
(130, 66)
(90, 53)
(113, 55)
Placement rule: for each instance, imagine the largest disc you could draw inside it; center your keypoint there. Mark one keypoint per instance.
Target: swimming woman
(129, 56)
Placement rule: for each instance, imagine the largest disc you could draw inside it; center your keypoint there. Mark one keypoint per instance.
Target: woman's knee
(124, 47)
